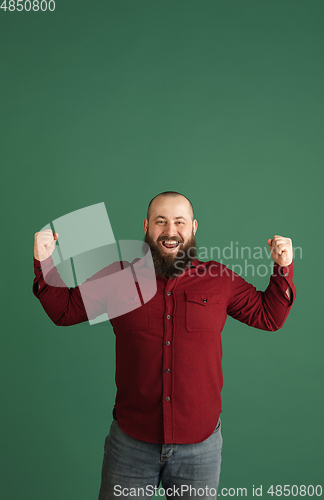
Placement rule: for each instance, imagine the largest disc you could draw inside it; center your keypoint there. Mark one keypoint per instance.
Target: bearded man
(171, 240)
(166, 426)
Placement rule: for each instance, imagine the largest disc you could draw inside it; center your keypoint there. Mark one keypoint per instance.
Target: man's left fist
(281, 250)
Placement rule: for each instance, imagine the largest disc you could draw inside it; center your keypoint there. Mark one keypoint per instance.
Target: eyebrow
(175, 218)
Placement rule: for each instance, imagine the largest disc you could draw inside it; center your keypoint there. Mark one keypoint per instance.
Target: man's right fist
(44, 244)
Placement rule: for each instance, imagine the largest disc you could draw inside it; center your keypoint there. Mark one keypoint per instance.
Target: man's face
(170, 233)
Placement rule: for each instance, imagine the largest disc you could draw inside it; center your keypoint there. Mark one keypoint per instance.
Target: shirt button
(286, 274)
(39, 268)
(131, 299)
(167, 398)
(205, 300)
(167, 370)
(168, 342)
(168, 293)
(168, 316)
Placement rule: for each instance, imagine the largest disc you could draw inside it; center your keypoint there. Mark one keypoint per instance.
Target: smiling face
(170, 233)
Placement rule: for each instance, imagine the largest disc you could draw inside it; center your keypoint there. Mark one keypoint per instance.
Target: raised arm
(63, 305)
(266, 310)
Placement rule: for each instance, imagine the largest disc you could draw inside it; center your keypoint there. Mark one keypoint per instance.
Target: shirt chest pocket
(130, 311)
(202, 311)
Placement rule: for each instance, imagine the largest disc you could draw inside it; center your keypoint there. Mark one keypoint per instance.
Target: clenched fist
(44, 244)
(281, 250)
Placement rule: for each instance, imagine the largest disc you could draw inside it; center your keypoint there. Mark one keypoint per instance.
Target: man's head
(170, 230)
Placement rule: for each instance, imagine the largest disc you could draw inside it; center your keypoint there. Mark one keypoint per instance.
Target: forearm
(279, 295)
(266, 310)
(63, 305)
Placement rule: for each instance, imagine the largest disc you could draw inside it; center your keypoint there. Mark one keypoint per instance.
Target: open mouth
(170, 244)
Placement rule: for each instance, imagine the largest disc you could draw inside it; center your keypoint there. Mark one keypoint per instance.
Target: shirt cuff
(283, 276)
(41, 269)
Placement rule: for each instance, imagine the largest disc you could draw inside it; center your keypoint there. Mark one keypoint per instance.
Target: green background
(116, 101)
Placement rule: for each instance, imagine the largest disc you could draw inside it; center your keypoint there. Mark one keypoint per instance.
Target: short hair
(173, 194)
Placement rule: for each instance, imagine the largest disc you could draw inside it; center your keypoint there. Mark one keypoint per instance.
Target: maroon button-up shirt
(169, 349)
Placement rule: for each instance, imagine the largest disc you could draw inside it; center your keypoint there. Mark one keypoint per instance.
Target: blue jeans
(133, 468)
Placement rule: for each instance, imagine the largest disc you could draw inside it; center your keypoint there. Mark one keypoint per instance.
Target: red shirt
(169, 349)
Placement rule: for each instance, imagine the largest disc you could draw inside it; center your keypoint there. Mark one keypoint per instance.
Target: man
(166, 427)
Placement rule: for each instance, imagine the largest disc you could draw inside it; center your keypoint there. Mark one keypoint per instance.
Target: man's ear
(194, 226)
(145, 225)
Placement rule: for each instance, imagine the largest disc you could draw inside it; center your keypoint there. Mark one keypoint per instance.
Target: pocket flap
(203, 298)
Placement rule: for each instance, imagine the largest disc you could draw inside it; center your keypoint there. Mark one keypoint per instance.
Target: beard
(171, 265)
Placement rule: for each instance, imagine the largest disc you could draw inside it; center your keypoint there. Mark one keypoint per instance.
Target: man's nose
(171, 229)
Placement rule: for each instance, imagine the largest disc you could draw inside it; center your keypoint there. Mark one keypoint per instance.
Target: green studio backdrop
(114, 102)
